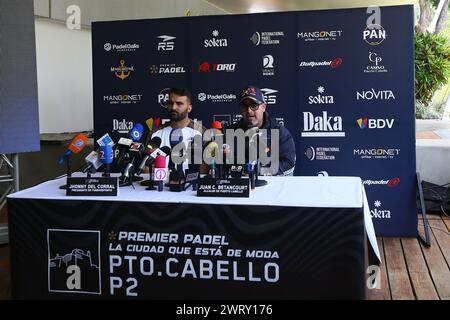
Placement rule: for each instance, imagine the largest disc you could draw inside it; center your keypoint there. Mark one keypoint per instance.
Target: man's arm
(287, 153)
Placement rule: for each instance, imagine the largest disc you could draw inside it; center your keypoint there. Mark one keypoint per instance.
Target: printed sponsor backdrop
(344, 90)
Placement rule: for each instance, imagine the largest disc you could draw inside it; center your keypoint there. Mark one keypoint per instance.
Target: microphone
(146, 159)
(160, 171)
(106, 157)
(210, 152)
(75, 146)
(128, 172)
(92, 163)
(123, 145)
(104, 140)
(136, 132)
(153, 154)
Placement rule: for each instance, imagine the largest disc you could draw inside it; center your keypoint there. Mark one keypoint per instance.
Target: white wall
(64, 71)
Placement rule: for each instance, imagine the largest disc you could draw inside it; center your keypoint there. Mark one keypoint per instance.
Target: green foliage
(432, 65)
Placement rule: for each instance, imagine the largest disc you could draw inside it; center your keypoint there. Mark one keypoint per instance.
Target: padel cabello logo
(74, 261)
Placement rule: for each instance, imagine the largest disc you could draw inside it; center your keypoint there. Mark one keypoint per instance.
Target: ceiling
(108, 10)
(253, 6)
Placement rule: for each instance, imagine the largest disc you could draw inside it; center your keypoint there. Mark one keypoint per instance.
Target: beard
(177, 116)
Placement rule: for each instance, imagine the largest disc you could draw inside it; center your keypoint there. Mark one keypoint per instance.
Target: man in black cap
(254, 114)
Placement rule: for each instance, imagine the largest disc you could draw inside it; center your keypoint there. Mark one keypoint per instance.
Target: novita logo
(376, 153)
(320, 98)
(216, 97)
(215, 41)
(163, 98)
(390, 183)
(322, 126)
(166, 43)
(127, 47)
(364, 123)
(267, 38)
(333, 64)
(378, 212)
(321, 153)
(374, 34)
(206, 67)
(123, 98)
(269, 95)
(268, 69)
(122, 126)
(375, 95)
(320, 35)
(376, 66)
(168, 68)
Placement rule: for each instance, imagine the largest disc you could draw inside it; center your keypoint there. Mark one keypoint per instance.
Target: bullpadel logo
(74, 261)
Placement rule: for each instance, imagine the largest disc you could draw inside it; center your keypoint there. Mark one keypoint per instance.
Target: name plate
(98, 186)
(215, 187)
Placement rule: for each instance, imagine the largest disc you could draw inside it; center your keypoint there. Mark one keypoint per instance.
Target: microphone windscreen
(160, 162)
(136, 132)
(155, 142)
(211, 149)
(78, 143)
(105, 154)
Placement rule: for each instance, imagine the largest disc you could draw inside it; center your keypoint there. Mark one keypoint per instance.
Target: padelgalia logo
(125, 47)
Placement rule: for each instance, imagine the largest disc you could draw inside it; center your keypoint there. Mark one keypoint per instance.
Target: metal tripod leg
(12, 178)
(426, 241)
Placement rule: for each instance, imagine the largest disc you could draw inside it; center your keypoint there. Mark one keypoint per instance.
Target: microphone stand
(68, 173)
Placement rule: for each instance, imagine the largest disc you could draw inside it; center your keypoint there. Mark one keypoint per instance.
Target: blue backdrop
(343, 89)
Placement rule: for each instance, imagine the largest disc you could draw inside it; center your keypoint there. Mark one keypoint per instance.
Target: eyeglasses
(252, 106)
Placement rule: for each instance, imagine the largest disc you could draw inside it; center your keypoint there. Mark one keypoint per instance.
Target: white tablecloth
(320, 192)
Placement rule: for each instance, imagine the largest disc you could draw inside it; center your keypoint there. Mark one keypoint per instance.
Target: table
(296, 238)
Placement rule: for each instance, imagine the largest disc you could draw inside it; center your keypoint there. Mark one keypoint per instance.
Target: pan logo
(374, 34)
(163, 98)
(74, 261)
